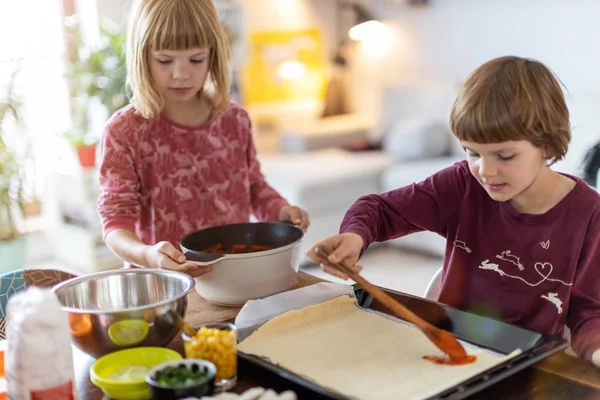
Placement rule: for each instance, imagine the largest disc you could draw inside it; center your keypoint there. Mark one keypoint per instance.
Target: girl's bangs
(181, 30)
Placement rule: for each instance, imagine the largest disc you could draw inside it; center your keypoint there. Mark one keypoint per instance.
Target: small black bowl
(205, 387)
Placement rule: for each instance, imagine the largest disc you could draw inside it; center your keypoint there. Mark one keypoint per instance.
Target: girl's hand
(164, 255)
(345, 247)
(294, 214)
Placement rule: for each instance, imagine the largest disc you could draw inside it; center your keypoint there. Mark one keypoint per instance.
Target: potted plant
(96, 75)
(85, 148)
(17, 192)
(80, 136)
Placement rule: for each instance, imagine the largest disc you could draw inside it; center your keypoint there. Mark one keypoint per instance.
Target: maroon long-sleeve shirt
(163, 180)
(541, 272)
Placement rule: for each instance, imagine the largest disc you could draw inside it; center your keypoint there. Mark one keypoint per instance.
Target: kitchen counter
(558, 377)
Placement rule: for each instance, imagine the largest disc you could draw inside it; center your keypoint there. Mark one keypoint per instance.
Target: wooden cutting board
(200, 311)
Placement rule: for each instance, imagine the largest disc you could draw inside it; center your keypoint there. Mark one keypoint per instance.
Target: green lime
(128, 332)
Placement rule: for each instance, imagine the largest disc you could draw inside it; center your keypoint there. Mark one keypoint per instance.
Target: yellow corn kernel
(211, 341)
(199, 339)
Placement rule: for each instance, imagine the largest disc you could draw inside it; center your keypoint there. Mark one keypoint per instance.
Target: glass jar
(216, 343)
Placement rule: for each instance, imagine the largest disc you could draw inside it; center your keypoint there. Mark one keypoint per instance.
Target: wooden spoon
(178, 320)
(444, 340)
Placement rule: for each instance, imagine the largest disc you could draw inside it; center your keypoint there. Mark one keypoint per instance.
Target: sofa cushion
(325, 178)
(403, 174)
(405, 101)
(416, 138)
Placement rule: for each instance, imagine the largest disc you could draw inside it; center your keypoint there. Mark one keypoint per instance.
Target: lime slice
(128, 332)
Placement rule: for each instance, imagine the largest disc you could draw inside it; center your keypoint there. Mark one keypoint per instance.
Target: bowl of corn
(216, 343)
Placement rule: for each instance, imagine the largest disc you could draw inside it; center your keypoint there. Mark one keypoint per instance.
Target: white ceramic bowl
(237, 278)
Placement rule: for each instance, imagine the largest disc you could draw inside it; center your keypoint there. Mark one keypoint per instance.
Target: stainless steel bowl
(124, 308)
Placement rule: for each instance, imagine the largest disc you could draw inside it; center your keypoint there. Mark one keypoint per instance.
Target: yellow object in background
(284, 66)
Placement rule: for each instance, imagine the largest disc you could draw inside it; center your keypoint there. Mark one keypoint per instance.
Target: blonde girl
(180, 157)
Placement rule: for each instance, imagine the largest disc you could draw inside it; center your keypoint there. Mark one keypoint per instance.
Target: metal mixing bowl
(124, 308)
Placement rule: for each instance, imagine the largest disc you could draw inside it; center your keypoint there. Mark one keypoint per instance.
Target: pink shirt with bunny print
(163, 180)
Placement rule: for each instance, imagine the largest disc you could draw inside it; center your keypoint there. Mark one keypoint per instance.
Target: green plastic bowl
(123, 362)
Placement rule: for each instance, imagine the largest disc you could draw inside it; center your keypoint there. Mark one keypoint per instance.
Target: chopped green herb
(180, 375)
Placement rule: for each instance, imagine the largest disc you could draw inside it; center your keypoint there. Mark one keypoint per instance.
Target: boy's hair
(174, 25)
(512, 98)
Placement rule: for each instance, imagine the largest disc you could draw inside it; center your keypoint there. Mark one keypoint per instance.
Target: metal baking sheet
(479, 330)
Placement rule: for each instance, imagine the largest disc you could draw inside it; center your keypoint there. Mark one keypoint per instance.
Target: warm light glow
(375, 39)
(290, 70)
(366, 30)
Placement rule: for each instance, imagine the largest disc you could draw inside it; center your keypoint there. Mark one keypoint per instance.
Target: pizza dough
(359, 353)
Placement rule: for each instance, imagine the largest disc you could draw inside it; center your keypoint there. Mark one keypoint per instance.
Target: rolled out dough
(358, 353)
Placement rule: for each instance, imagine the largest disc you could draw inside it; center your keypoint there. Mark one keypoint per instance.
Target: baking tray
(466, 326)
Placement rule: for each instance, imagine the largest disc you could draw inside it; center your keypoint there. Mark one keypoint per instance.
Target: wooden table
(558, 377)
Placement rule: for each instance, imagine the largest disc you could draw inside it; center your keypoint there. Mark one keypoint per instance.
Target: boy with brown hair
(523, 241)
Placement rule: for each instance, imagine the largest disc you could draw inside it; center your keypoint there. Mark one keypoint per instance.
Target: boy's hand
(295, 215)
(345, 247)
(164, 255)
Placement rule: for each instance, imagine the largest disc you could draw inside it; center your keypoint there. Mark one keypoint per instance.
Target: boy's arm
(584, 306)
(266, 201)
(421, 206)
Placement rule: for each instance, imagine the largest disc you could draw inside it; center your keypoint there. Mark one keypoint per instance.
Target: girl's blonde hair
(513, 98)
(174, 25)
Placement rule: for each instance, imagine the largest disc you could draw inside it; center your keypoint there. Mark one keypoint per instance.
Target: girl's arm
(119, 205)
(126, 245)
(266, 201)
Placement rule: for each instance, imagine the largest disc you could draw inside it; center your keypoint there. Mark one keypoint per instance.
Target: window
(33, 42)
